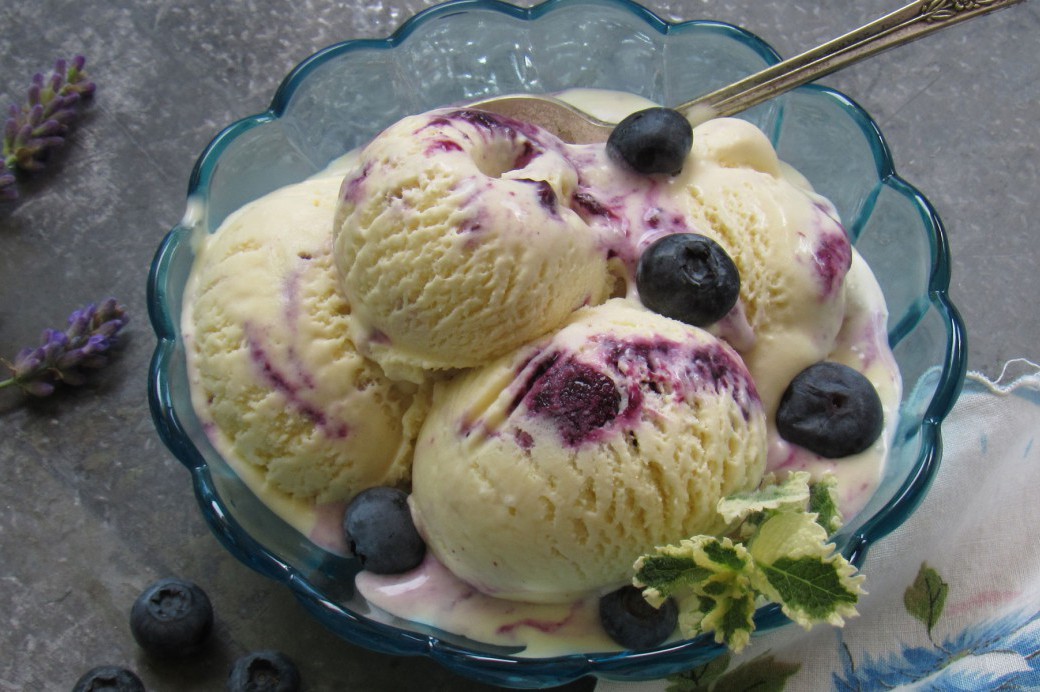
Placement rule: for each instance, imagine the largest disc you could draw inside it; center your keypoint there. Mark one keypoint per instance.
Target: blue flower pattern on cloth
(1002, 654)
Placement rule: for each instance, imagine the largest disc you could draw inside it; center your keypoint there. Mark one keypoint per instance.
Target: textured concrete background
(92, 506)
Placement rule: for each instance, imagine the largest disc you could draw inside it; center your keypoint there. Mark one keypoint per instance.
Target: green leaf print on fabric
(926, 597)
(762, 674)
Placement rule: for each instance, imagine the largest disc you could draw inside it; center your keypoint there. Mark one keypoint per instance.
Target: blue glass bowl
(340, 97)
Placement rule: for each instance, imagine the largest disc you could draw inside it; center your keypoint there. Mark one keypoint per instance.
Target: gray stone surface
(92, 506)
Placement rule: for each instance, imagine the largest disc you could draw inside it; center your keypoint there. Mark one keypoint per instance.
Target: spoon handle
(916, 19)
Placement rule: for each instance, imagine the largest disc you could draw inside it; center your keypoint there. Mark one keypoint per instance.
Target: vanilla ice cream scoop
(278, 385)
(455, 242)
(543, 475)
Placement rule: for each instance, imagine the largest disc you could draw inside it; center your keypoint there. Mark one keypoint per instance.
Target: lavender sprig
(35, 127)
(67, 356)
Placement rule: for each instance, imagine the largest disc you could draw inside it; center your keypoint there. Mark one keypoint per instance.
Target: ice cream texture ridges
(455, 311)
(452, 246)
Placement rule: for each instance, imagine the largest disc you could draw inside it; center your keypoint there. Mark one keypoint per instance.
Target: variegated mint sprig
(66, 356)
(777, 550)
(38, 125)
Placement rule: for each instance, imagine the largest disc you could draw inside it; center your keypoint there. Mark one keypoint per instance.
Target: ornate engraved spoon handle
(917, 19)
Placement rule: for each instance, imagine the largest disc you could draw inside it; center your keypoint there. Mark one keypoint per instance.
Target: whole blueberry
(632, 622)
(651, 141)
(655, 140)
(171, 618)
(109, 679)
(688, 277)
(263, 671)
(830, 409)
(378, 528)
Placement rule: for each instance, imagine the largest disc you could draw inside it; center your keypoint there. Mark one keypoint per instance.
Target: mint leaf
(823, 501)
(724, 555)
(810, 585)
(786, 558)
(732, 619)
(797, 568)
(667, 572)
(926, 597)
(714, 588)
(792, 494)
(710, 579)
(787, 535)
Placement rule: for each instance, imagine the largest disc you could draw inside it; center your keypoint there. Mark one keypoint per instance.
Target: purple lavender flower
(67, 356)
(35, 127)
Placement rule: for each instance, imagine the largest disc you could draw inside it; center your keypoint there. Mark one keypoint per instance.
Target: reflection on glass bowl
(339, 98)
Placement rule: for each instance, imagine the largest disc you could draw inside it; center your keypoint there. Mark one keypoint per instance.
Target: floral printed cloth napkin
(954, 593)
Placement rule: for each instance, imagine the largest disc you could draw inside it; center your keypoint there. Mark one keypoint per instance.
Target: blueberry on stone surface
(688, 277)
(264, 671)
(655, 140)
(830, 409)
(632, 622)
(378, 528)
(171, 618)
(109, 679)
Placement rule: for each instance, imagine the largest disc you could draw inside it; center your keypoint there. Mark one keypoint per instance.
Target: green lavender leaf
(926, 597)
(823, 501)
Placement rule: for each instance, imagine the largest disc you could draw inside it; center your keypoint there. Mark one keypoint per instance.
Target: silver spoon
(901, 26)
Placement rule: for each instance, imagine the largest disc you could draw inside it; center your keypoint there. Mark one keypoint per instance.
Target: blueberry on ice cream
(632, 622)
(688, 277)
(380, 533)
(830, 409)
(654, 140)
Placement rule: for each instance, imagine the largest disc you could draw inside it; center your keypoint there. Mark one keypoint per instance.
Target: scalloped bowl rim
(506, 669)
